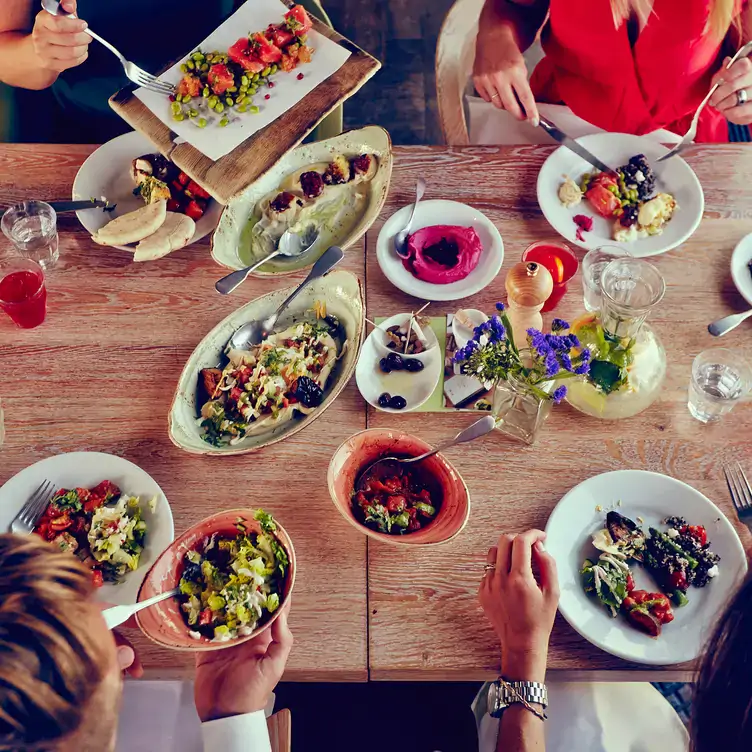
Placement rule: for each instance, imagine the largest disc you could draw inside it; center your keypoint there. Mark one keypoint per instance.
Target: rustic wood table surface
(100, 374)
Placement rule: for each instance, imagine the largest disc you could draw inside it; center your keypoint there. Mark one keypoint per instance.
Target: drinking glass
(23, 295)
(720, 378)
(593, 264)
(560, 261)
(32, 228)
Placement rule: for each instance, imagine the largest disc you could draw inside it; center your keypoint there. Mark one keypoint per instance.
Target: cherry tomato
(205, 617)
(698, 532)
(396, 504)
(602, 200)
(663, 615)
(678, 581)
(630, 583)
(194, 210)
(414, 524)
(644, 621)
(63, 522)
(97, 578)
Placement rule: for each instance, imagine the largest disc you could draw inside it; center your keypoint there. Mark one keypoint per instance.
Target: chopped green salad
(233, 583)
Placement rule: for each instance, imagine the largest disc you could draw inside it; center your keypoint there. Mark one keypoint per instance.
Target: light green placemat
(435, 403)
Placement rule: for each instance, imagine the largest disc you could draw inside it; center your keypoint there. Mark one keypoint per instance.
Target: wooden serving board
(230, 175)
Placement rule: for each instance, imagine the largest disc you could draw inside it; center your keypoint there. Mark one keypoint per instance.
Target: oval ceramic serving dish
(341, 293)
(231, 240)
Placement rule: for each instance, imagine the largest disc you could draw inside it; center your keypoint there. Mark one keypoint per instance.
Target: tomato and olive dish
(676, 559)
(626, 196)
(218, 86)
(102, 526)
(272, 383)
(397, 501)
(230, 585)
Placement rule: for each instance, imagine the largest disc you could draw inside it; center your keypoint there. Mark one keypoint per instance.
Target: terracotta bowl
(366, 447)
(164, 623)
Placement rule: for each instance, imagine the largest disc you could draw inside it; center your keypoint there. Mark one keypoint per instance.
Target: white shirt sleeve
(239, 733)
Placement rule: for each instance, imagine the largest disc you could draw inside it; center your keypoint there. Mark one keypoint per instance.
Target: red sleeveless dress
(592, 67)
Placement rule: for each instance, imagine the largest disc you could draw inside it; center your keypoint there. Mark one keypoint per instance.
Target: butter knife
(572, 145)
(69, 206)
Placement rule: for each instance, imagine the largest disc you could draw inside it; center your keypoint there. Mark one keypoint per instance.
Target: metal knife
(69, 206)
(572, 145)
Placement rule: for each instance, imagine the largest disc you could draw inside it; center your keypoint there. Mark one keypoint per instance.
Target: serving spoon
(475, 431)
(400, 239)
(725, 325)
(116, 615)
(290, 244)
(255, 332)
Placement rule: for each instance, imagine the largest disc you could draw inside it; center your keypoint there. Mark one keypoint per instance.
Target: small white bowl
(462, 335)
(380, 340)
(740, 270)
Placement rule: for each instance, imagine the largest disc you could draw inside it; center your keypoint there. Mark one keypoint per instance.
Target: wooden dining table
(100, 374)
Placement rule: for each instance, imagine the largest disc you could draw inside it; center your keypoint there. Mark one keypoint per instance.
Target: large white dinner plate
(86, 470)
(740, 267)
(440, 212)
(653, 497)
(673, 176)
(107, 172)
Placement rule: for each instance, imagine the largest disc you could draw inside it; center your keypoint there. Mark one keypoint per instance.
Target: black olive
(385, 400)
(395, 361)
(308, 392)
(384, 365)
(413, 365)
(192, 572)
(397, 403)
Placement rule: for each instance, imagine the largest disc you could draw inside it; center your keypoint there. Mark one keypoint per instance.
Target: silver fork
(24, 522)
(741, 493)
(689, 136)
(132, 71)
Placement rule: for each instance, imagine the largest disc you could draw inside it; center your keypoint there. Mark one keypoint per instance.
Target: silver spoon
(400, 239)
(725, 325)
(115, 616)
(475, 431)
(255, 332)
(290, 244)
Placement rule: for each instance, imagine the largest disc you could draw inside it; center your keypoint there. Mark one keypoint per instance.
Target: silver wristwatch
(500, 697)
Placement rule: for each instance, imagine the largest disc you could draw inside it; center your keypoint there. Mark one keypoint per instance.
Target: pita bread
(176, 231)
(134, 226)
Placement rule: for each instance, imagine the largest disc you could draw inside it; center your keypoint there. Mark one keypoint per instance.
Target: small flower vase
(518, 411)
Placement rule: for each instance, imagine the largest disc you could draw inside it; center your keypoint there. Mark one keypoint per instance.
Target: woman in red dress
(632, 66)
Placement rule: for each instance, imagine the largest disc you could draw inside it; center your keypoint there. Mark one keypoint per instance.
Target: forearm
(19, 64)
(517, 20)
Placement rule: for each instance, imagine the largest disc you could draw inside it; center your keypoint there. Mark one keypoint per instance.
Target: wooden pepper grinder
(529, 285)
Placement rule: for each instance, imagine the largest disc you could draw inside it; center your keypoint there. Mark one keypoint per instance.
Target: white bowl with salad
(107, 511)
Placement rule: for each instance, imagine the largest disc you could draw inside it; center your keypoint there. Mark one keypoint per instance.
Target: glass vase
(519, 412)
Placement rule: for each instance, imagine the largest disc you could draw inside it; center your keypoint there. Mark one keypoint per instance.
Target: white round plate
(415, 387)
(107, 172)
(440, 212)
(673, 176)
(652, 497)
(86, 470)
(740, 267)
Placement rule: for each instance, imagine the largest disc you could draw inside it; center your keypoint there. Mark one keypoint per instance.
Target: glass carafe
(628, 360)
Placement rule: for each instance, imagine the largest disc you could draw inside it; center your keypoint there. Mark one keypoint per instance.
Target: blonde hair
(722, 13)
(50, 664)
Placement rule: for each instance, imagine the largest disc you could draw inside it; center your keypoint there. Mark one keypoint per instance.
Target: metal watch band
(500, 697)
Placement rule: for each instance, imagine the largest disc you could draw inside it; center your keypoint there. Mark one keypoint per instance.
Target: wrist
(524, 665)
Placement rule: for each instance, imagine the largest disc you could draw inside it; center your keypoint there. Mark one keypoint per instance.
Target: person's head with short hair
(60, 681)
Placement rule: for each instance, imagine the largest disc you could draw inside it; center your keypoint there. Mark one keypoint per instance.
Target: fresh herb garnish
(69, 500)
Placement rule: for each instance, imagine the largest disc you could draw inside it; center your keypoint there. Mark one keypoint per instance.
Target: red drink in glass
(23, 295)
(560, 260)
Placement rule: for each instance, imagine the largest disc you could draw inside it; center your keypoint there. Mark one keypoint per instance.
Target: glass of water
(720, 378)
(32, 228)
(593, 264)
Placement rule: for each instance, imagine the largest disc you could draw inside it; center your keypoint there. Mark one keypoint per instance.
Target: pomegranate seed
(267, 96)
(271, 84)
(300, 76)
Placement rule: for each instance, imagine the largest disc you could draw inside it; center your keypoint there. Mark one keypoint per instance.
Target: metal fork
(689, 136)
(132, 71)
(741, 493)
(32, 510)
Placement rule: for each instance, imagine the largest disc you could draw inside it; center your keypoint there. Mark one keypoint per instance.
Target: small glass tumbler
(593, 264)
(720, 378)
(32, 228)
(23, 295)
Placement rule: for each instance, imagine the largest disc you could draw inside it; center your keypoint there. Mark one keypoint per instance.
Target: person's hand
(500, 74)
(240, 680)
(60, 42)
(520, 606)
(127, 658)
(737, 78)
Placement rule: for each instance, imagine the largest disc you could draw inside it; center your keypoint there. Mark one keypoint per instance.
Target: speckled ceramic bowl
(227, 238)
(365, 447)
(164, 623)
(341, 293)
